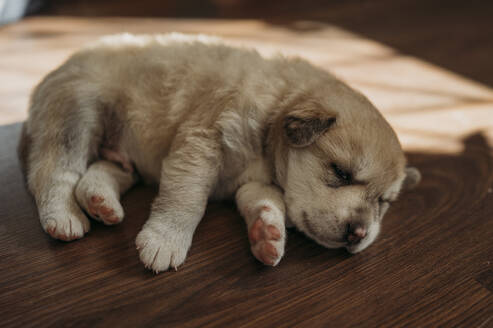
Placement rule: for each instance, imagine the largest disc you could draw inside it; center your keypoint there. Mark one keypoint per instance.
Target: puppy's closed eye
(381, 200)
(344, 177)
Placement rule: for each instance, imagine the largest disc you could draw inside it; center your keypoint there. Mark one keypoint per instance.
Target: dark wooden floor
(432, 265)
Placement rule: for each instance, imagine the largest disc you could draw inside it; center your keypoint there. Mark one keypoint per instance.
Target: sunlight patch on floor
(432, 109)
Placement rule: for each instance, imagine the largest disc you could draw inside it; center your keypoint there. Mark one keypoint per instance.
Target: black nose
(354, 233)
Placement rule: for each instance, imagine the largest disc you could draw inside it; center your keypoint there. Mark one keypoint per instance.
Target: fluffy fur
(205, 120)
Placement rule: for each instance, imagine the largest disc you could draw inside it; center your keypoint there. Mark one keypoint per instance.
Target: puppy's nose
(354, 233)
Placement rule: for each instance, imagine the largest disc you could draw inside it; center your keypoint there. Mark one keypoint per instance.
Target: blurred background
(453, 34)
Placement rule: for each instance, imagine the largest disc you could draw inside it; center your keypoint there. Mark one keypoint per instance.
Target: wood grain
(432, 265)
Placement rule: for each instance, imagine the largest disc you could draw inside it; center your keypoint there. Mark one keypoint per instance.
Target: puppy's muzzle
(355, 232)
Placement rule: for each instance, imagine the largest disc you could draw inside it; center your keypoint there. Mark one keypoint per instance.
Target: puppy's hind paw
(106, 209)
(66, 226)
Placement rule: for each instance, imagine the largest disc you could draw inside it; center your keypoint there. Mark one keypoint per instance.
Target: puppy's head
(340, 166)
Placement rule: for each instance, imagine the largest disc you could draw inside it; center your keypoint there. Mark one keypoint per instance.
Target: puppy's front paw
(161, 249)
(267, 237)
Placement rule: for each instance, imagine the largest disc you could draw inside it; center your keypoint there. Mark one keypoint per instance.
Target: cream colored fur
(204, 120)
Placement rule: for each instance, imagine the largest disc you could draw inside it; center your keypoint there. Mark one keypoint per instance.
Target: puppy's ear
(413, 177)
(303, 126)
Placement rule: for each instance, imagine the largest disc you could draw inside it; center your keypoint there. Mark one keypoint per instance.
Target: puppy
(293, 145)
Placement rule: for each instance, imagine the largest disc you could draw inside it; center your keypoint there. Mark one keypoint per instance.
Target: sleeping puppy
(293, 145)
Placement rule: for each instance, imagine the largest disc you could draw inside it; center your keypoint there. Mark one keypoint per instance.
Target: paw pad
(98, 209)
(266, 242)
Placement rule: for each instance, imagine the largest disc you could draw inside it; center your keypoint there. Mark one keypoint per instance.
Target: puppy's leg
(53, 173)
(99, 190)
(62, 135)
(263, 209)
(188, 175)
